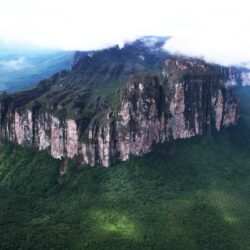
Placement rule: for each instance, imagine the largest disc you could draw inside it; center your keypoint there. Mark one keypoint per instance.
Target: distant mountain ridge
(23, 66)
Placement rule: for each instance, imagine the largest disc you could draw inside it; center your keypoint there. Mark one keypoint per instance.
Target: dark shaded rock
(113, 104)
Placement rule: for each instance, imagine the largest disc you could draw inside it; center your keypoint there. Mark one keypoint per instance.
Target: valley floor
(189, 194)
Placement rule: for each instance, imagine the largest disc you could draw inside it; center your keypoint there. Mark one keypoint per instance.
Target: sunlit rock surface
(180, 98)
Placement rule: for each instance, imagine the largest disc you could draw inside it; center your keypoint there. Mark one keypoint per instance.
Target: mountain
(119, 102)
(186, 194)
(21, 67)
(123, 103)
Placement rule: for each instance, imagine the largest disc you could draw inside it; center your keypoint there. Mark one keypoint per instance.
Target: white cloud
(216, 30)
(14, 64)
(225, 50)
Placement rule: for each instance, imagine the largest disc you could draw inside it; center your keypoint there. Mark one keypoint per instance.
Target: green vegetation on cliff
(188, 194)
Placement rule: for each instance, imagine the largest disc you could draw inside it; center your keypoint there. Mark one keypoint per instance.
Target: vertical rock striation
(187, 98)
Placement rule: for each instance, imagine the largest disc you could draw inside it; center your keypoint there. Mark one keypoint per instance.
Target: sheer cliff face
(184, 100)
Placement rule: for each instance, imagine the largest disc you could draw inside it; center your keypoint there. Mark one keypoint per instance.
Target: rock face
(184, 100)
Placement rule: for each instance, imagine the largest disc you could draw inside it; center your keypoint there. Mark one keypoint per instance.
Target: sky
(216, 30)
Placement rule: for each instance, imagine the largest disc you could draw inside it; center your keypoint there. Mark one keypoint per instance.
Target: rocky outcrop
(184, 100)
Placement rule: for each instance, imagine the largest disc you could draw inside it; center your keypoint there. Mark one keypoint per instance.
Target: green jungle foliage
(187, 194)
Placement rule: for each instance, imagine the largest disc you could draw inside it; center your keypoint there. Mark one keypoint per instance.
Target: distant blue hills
(22, 66)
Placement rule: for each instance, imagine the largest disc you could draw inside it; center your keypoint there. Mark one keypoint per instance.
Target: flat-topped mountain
(118, 102)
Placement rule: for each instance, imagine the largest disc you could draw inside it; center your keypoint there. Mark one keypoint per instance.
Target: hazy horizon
(215, 31)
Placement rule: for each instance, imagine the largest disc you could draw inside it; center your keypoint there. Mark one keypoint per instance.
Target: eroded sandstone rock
(184, 101)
